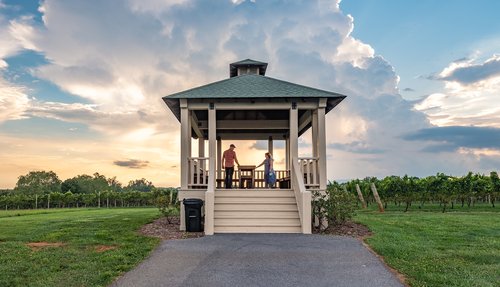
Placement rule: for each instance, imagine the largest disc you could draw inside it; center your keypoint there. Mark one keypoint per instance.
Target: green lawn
(459, 248)
(77, 263)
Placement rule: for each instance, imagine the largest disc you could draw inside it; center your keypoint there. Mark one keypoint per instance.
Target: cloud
(468, 73)
(356, 147)
(471, 95)
(105, 122)
(13, 102)
(132, 163)
(454, 137)
(263, 145)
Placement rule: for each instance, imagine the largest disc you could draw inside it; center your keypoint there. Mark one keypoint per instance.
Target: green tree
(480, 186)
(495, 187)
(72, 185)
(114, 184)
(393, 188)
(38, 182)
(142, 185)
(85, 184)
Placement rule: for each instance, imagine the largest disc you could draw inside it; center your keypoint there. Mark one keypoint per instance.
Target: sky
(81, 81)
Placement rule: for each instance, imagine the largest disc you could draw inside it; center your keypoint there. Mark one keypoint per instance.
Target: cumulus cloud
(469, 73)
(356, 147)
(263, 145)
(454, 137)
(132, 163)
(471, 95)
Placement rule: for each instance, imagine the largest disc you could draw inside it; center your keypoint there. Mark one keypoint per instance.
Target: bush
(335, 207)
(166, 201)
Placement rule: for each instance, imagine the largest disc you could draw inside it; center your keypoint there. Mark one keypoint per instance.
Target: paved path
(261, 260)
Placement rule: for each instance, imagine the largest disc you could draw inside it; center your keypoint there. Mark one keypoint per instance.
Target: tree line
(444, 189)
(44, 189)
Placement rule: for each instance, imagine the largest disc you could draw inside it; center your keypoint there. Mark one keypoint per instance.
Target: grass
(458, 248)
(77, 263)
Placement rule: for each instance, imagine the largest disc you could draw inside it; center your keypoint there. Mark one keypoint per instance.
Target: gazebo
(251, 106)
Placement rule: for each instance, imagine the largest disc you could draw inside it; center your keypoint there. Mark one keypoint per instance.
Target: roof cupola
(247, 66)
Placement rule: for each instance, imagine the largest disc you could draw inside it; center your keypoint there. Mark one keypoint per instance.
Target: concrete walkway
(261, 260)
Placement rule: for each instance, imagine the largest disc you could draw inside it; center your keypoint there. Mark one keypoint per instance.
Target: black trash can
(192, 208)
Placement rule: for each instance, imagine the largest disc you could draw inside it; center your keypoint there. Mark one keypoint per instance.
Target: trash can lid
(192, 201)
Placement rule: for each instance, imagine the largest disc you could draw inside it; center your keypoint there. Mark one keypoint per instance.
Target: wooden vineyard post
(36, 201)
(360, 196)
(377, 198)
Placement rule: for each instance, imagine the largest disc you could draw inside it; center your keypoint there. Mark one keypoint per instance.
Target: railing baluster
(314, 172)
(192, 171)
(202, 171)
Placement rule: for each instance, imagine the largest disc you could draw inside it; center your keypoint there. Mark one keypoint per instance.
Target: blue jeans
(228, 182)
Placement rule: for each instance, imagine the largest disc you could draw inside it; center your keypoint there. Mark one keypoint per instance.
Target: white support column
(185, 143)
(219, 156)
(212, 153)
(314, 131)
(201, 147)
(212, 144)
(287, 153)
(294, 134)
(270, 146)
(322, 144)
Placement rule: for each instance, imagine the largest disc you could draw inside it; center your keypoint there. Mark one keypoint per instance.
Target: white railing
(308, 167)
(198, 175)
(259, 179)
(302, 196)
(198, 172)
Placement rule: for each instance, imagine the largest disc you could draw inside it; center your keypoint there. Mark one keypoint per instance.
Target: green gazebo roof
(250, 86)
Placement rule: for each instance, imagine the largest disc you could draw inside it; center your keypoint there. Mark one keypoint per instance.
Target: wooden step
(258, 214)
(255, 200)
(253, 193)
(255, 207)
(257, 222)
(257, 229)
(256, 211)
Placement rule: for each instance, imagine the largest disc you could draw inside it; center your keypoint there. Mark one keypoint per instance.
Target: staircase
(256, 211)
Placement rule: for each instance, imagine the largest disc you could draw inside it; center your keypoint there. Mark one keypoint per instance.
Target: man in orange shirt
(228, 159)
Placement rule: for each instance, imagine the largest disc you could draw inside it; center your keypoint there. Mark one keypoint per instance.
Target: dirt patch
(39, 245)
(160, 228)
(102, 248)
(349, 228)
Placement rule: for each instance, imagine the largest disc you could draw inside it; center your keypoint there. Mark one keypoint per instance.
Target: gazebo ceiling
(249, 124)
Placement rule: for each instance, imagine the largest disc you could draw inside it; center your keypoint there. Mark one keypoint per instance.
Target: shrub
(335, 206)
(166, 201)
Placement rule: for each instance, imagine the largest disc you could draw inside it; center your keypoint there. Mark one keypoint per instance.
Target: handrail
(310, 169)
(303, 197)
(210, 204)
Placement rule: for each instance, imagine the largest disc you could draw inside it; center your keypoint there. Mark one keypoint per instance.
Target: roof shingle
(252, 86)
